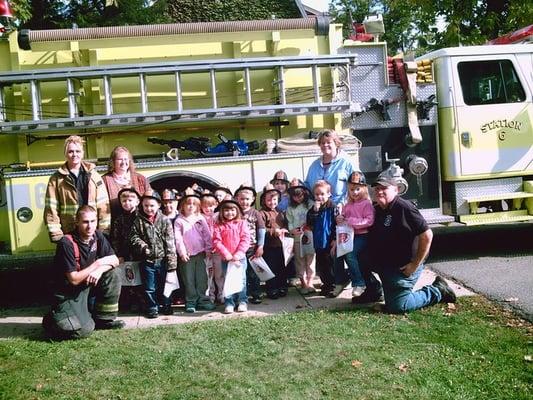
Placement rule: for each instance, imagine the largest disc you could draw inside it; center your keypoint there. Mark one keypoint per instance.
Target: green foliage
(230, 10)
(21, 9)
(471, 352)
(51, 14)
(411, 25)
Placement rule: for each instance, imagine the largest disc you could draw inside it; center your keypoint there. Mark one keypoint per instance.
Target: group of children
(210, 236)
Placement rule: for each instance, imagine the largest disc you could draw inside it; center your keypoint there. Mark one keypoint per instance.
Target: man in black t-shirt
(84, 265)
(398, 244)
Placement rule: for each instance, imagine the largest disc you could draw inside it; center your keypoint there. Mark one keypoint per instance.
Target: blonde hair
(208, 201)
(114, 155)
(73, 139)
(364, 189)
(188, 200)
(331, 134)
(321, 183)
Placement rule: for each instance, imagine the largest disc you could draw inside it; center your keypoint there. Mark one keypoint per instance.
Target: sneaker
(304, 291)
(358, 291)
(283, 292)
(369, 296)
(151, 314)
(243, 307)
(448, 295)
(256, 300)
(337, 290)
(229, 309)
(206, 306)
(294, 282)
(190, 309)
(109, 324)
(273, 295)
(167, 310)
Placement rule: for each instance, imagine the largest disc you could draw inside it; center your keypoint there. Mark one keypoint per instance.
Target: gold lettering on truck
(501, 123)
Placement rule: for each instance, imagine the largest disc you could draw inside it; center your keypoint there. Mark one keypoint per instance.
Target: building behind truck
(453, 127)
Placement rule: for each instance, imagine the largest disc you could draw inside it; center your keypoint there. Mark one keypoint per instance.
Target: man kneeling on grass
(398, 244)
(84, 269)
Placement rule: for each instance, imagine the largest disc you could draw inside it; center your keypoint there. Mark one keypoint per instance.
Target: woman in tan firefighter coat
(74, 184)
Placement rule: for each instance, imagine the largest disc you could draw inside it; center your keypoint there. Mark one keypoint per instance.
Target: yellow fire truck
(454, 128)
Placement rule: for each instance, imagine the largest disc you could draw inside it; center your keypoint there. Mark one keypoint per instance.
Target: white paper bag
(233, 282)
(261, 269)
(130, 273)
(171, 283)
(288, 245)
(345, 237)
(306, 243)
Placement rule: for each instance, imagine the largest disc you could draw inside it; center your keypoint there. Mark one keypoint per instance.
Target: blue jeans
(352, 260)
(240, 297)
(399, 294)
(153, 277)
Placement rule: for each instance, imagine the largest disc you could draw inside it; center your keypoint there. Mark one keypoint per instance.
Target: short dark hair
(84, 209)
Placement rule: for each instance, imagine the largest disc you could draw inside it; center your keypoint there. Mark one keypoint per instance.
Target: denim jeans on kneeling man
(399, 294)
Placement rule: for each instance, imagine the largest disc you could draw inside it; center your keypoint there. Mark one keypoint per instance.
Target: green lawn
(475, 351)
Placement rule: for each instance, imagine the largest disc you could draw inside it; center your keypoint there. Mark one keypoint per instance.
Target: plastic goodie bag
(171, 283)
(233, 282)
(306, 243)
(130, 273)
(261, 269)
(345, 236)
(288, 245)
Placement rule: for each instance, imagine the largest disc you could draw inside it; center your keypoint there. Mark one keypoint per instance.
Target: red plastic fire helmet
(5, 9)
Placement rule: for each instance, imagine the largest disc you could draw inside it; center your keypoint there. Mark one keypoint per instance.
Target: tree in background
(52, 14)
(412, 25)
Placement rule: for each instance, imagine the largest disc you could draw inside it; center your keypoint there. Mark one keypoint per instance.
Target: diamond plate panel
(481, 188)
(368, 81)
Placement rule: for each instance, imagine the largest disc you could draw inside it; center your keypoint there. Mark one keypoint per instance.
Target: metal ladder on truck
(29, 116)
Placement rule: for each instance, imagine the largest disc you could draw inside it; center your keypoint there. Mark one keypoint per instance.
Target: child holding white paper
(358, 213)
(231, 239)
(276, 228)
(129, 201)
(300, 203)
(209, 204)
(193, 243)
(245, 196)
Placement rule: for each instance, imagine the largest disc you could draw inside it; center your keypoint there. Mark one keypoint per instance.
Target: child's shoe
(167, 310)
(337, 290)
(256, 300)
(190, 309)
(243, 307)
(206, 306)
(151, 314)
(304, 290)
(229, 309)
(358, 291)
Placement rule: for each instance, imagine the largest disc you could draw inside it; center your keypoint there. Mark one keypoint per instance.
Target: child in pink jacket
(193, 243)
(231, 239)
